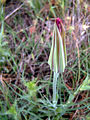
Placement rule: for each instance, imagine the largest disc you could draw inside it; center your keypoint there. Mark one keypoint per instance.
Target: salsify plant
(58, 57)
(58, 61)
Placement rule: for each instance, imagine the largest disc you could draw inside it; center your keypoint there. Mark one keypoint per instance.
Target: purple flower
(58, 58)
(59, 24)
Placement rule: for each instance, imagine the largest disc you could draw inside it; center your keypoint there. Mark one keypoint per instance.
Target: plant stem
(55, 89)
(2, 23)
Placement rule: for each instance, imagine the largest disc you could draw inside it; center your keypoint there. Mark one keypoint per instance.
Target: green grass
(25, 77)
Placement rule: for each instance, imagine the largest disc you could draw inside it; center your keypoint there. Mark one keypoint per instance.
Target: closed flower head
(58, 59)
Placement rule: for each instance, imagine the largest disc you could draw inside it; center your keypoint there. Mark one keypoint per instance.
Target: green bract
(58, 58)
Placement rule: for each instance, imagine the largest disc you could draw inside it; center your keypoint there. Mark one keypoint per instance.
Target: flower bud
(58, 58)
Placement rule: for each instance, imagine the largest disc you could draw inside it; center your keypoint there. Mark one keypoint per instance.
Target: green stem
(2, 23)
(55, 88)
